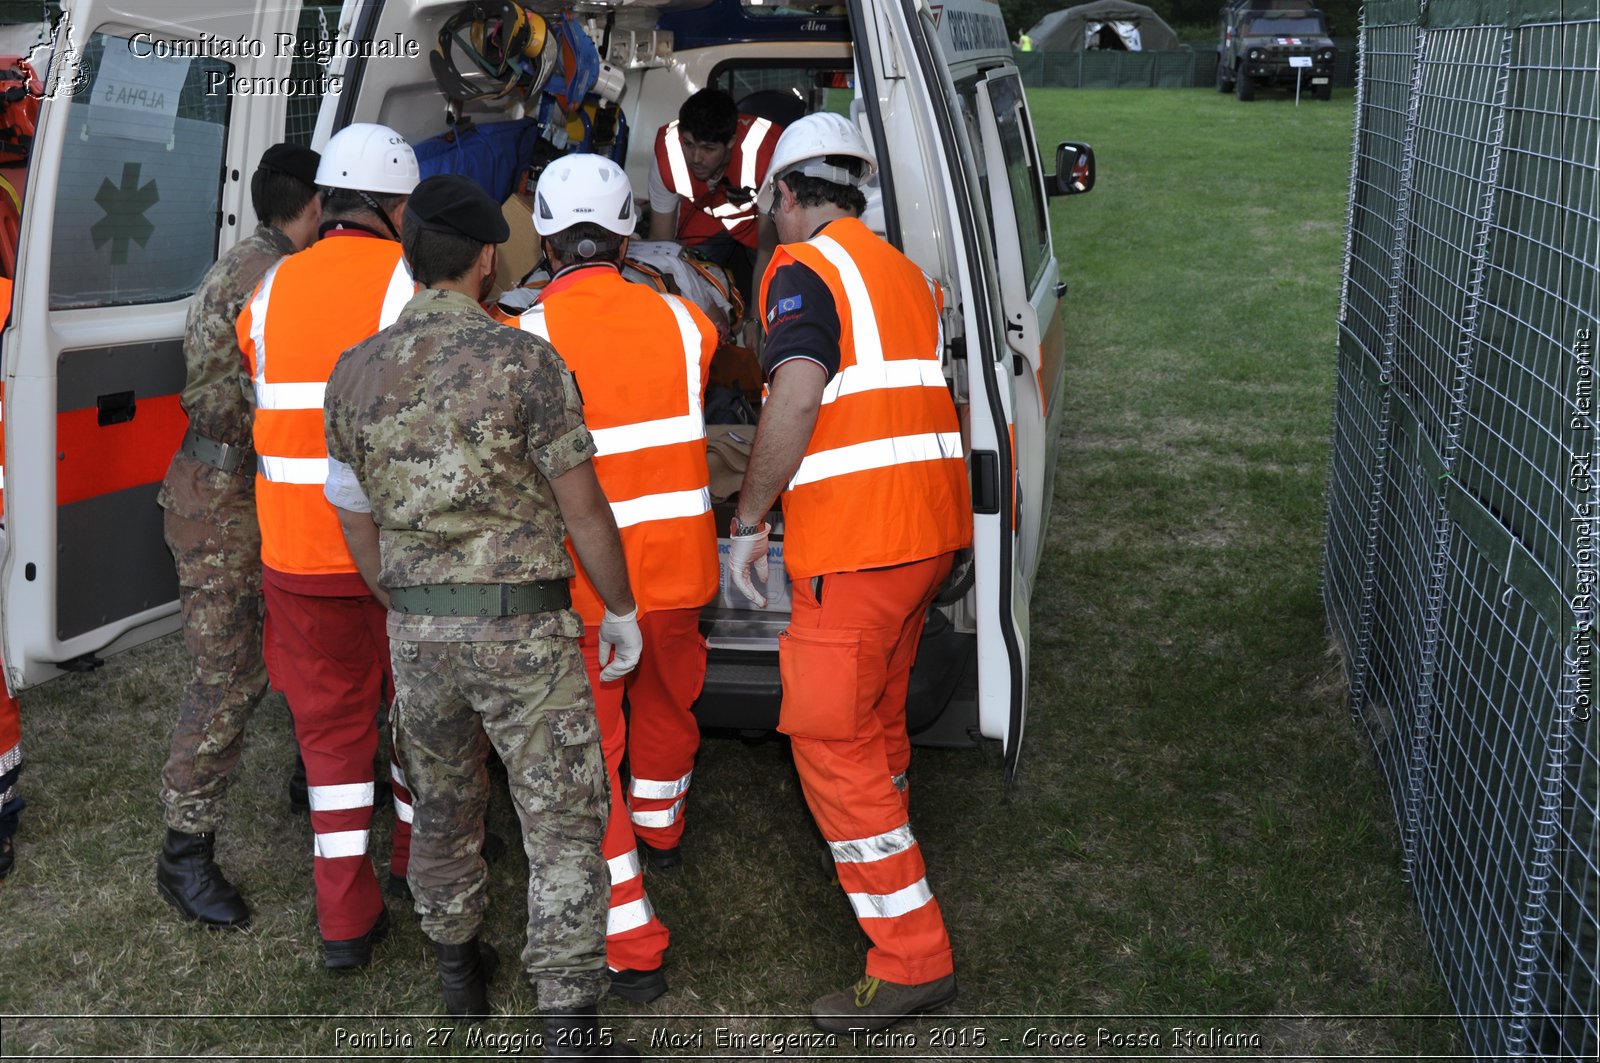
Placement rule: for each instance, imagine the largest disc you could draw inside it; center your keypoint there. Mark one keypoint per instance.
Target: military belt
(204, 449)
(482, 599)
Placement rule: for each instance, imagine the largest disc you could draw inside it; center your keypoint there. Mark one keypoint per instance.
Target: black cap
(294, 160)
(452, 203)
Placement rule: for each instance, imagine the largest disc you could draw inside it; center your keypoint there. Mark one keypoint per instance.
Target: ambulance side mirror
(1074, 169)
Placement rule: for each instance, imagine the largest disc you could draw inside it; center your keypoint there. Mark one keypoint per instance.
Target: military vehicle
(1274, 42)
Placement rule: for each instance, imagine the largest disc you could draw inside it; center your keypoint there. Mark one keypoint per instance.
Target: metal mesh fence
(1463, 532)
(318, 22)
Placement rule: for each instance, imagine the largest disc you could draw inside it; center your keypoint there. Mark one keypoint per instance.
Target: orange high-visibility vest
(641, 360)
(709, 211)
(883, 481)
(305, 312)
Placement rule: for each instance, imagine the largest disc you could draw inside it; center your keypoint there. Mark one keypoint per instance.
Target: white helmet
(804, 145)
(368, 158)
(579, 188)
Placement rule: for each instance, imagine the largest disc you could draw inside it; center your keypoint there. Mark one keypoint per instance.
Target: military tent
(1110, 24)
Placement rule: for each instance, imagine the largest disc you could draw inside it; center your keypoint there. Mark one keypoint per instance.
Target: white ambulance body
(140, 176)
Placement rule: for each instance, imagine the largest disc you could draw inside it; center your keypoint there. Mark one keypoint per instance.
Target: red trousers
(330, 657)
(663, 734)
(664, 684)
(845, 661)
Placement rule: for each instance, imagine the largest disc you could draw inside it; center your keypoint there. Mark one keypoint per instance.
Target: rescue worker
(326, 646)
(642, 360)
(11, 802)
(210, 523)
(459, 461)
(709, 163)
(860, 434)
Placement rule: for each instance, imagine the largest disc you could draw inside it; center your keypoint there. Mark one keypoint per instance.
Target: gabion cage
(1463, 533)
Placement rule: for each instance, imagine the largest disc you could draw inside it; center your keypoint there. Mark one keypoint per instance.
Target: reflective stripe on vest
(306, 311)
(653, 469)
(747, 151)
(677, 165)
(877, 454)
(883, 480)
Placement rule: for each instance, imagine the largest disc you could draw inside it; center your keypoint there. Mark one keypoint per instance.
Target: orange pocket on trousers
(821, 673)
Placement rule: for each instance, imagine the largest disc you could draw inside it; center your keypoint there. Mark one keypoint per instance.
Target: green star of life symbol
(125, 207)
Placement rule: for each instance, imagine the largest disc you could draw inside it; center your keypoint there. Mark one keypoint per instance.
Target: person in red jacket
(708, 165)
(860, 434)
(643, 377)
(326, 641)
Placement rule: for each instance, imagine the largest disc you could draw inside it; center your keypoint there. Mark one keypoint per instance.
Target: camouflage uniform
(210, 525)
(454, 426)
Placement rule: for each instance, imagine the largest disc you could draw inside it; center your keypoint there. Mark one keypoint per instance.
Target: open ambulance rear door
(154, 113)
(904, 71)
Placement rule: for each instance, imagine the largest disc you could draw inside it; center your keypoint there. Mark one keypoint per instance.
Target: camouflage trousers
(530, 699)
(219, 589)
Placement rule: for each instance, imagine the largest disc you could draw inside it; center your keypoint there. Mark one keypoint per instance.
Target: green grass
(1198, 837)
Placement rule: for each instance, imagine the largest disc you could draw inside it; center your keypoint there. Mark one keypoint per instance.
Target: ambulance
(153, 114)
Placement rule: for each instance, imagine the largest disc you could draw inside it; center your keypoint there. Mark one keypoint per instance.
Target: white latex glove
(620, 644)
(744, 553)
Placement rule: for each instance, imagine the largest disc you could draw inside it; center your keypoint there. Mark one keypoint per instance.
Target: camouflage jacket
(454, 426)
(215, 394)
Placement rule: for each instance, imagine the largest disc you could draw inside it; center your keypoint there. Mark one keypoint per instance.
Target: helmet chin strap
(372, 205)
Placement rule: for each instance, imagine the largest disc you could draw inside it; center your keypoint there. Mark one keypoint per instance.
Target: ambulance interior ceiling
(658, 75)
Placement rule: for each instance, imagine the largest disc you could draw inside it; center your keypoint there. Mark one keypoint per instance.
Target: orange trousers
(846, 661)
(664, 684)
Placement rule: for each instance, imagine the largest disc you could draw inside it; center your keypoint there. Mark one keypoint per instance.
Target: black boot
(576, 1034)
(189, 879)
(299, 793)
(465, 971)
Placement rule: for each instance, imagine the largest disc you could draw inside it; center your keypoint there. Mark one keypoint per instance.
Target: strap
(224, 456)
(482, 599)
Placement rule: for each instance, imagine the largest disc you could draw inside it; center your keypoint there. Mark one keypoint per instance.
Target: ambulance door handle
(117, 408)
(985, 482)
(1061, 289)
(1019, 365)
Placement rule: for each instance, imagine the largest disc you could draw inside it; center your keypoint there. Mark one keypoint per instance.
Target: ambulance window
(783, 91)
(139, 190)
(1022, 172)
(968, 91)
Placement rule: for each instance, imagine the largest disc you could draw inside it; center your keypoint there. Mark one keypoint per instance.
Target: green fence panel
(1100, 70)
(1172, 70)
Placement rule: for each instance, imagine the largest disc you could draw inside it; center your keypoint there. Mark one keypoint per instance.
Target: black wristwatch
(739, 529)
